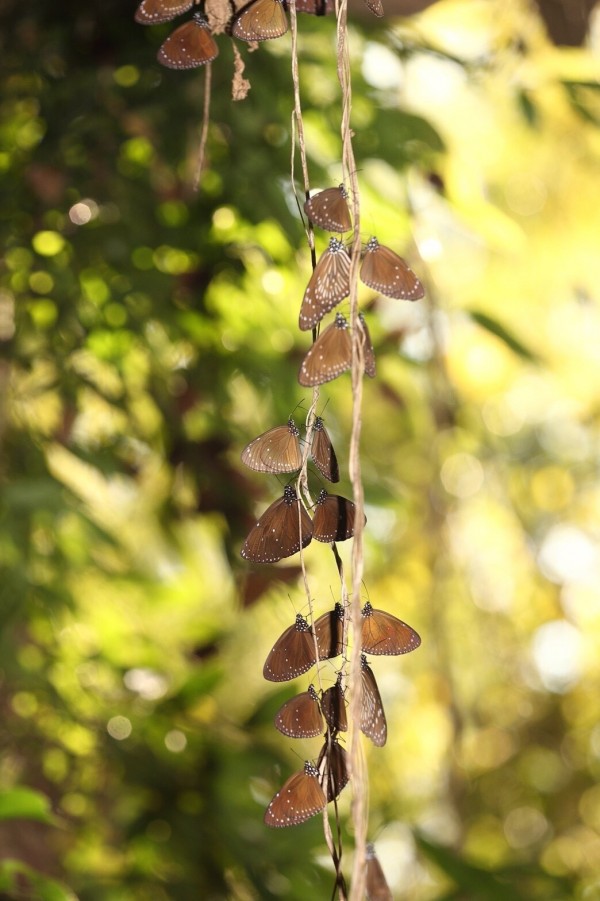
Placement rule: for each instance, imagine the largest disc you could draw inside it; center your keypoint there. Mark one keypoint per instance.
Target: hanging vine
(352, 629)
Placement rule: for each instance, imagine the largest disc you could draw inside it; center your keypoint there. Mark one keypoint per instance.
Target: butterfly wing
(322, 452)
(330, 355)
(292, 654)
(276, 534)
(332, 765)
(152, 12)
(260, 20)
(300, 717)
(334, 518)
(333, 707)
(383, 633)
(329, 208)
(300, 798)
(368, 352)
(329, 630)
(277, 450)
(376, 885)
(189, 46)
(328, 285)
(315, 7)
(386, 272)
(376, 7)
(372, 716)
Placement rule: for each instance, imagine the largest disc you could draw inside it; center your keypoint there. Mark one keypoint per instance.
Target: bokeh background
(148, 332)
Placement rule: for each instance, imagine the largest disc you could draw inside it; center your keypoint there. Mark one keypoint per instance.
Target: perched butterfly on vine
(386, 272)
(376, 886)
(300, 798)
(322, 452)
(277, 450)
(329, 631)
(329, 208)
(333, 707)
(282, 529)
(189, 46)
(369, 353)
(328, 285)
(152, 12)
(300, 717)
(372, 716)
(292, 654)
(332, 765)
(383, 633)
(334, 518)
(260, 20)
(329, 356)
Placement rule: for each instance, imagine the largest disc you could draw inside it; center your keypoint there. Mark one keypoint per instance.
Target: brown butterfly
(315, 7)
(292, 654)
(260, 20)
(300, 717)
(189, 46)
(332, 765)
(372, 716)
(283, 528)
(334, 518)
(329, 630)
(383, 633)
(376, 887)
(376, 7)
(329, 208)
(330, 355)
(151, 12)
(328, 285)
(277, 450)
(369, 353)
(322, 452)
(300, 798)
(333, 707)
(386, 272)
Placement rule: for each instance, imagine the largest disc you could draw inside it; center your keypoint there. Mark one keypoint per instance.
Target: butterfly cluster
(286, 526)
(323, 713)
(381, 269)
(192, 44)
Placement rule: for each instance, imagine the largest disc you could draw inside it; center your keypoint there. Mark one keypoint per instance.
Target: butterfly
(383, 633)
(329, 631)
(299, 799)
(332, 766)
(376, 7)
(333, 707)
(292, 654)
(329, 208)
(151, 12)
(329, 285)
(386, 272)
(368, 352)
(330, 355)
(376, 886)
(372, 716)
(315, 7)
(277, 450)
(188, 46)
(260, 20)
(334, 518)
(283, 528)
(322, 452)
(300, 717)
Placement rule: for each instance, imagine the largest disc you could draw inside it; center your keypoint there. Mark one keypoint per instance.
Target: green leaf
(26, 804)
(42, 888)
(500, 331)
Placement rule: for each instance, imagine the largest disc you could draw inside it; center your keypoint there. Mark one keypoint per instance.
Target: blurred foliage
(148, 332)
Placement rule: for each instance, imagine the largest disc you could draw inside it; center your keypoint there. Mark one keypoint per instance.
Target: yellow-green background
(142, 349)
